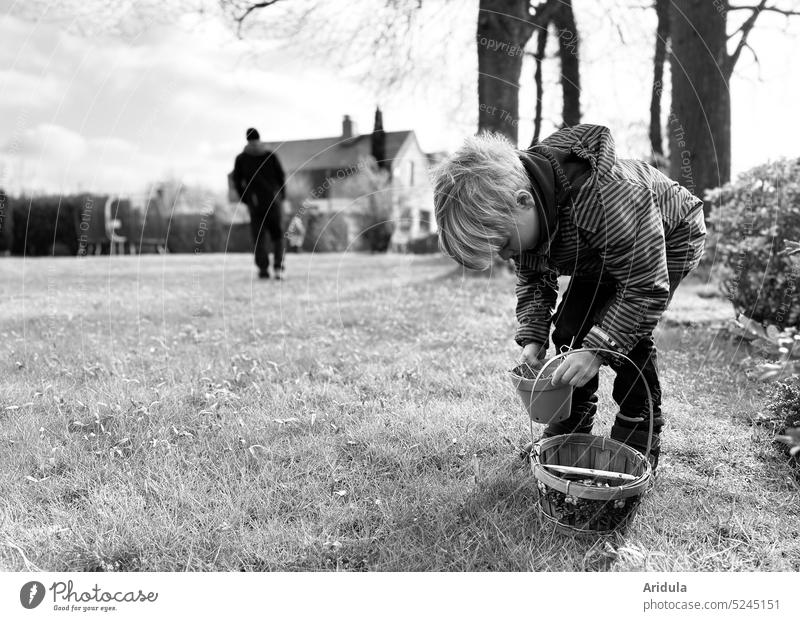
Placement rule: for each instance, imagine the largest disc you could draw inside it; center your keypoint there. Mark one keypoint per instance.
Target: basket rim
(590, 492)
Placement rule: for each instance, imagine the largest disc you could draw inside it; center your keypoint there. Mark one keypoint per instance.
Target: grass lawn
(169, 413)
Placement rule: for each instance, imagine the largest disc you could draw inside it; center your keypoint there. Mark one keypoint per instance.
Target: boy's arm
(633, 252)
(537, 291)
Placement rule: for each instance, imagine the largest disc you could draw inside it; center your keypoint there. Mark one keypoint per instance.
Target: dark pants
(265, 228)
(582, 306)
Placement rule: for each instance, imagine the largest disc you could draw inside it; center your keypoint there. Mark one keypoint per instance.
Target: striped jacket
(623, 219)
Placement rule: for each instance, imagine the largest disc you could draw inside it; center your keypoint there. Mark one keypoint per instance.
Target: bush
(6, 239)
(191, 232)
(376, 233)
(199, 232)
(784, 404)
(424, 245)
(325, 232)
(233, 237)
(752, 218)
(47, 225)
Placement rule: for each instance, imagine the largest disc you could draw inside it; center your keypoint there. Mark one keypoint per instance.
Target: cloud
(48, 140)
(22, 89)
(55, 158)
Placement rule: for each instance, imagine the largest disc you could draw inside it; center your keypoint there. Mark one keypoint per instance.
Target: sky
(112, 103)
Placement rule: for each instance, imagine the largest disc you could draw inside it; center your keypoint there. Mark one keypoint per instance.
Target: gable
(333, 153)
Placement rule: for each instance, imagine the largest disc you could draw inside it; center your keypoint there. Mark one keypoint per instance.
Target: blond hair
(474, 192)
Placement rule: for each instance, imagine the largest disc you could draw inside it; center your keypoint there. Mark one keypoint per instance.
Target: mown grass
(172, 413)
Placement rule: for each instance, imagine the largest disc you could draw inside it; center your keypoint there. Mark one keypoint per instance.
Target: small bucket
(545, 403)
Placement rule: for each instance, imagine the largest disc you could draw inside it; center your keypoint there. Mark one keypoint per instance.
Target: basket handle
(615, 353)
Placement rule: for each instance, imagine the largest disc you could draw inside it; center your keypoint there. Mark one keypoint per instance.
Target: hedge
(72, 224)
(424, 245)
(48, 225)
(197, 233)
(6, 224)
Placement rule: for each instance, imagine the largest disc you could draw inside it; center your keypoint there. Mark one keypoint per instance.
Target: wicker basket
(579, 506)
(575, 503)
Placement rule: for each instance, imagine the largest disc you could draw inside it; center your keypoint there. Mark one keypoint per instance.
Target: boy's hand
(533, 354)
(577, 369)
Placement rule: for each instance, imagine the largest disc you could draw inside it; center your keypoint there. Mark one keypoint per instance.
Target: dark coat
(259, 179)
(618, 217)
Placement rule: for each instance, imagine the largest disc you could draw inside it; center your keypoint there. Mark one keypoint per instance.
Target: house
(351, 173)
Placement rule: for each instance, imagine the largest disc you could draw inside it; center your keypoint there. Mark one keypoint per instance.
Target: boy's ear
(525, 200)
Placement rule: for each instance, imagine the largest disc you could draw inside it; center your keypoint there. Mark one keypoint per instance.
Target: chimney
(347, 127)
(379, 141)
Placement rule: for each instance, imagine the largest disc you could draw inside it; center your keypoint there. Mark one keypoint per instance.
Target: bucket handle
(615, 353)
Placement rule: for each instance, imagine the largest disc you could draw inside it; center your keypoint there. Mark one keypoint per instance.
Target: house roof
(333, 153)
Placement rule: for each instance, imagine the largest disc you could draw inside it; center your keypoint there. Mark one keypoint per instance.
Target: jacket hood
(593, 143)
(543, 186)
(255, 148)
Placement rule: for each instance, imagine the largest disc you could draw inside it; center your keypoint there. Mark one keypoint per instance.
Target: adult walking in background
(259, 179)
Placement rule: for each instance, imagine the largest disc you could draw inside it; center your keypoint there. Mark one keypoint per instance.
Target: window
(405, 220)
(424, 221)
(319, 179)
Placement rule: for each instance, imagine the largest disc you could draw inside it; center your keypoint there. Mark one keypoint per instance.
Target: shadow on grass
(495, 526)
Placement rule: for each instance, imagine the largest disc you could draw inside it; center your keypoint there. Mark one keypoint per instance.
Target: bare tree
(504, 29)
(538, 57)
(567, 29)
(381, 34)
(660, 56)
(701, 66)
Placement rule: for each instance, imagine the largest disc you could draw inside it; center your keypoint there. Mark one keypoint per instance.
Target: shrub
(783, 401)
(47, 225)
(752, 218)
(784, 404)
(424, 245)
(233, 237)
(6, 239)
(376, 231)
(190, 232)
(325, 232)
(372, 213)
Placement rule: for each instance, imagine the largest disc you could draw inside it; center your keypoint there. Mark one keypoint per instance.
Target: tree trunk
(564, 20)
(662, 34)
(541, 45)
(504, 27)
(700, 119)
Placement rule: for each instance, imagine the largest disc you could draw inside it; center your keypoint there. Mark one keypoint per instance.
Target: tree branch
(745, 28)
(772, 9)
(240, 18)
(755, 57)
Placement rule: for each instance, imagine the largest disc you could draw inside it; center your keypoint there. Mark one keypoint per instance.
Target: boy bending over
(625, 232)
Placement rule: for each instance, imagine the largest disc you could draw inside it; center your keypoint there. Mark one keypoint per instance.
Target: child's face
(524, 231)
